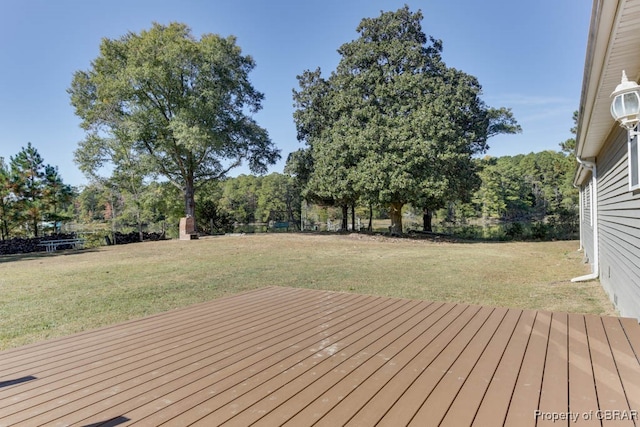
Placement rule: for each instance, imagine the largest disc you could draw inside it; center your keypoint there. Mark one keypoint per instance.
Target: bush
(514, 231)
(540, 231)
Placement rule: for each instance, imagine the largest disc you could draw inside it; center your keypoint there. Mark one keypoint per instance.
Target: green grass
(49, 295)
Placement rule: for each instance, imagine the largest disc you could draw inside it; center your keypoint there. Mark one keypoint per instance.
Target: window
(634, 160)
(586, 204)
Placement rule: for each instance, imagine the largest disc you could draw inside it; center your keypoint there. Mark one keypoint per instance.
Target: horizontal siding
(619, 228)
(586, 229)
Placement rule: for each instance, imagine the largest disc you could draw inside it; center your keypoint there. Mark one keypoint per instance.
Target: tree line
(167, 116)
(392, 125)
(220, 205)
(535, 187)
(531, 188)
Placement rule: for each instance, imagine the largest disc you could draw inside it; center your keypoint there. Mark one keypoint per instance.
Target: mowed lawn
(49, 295)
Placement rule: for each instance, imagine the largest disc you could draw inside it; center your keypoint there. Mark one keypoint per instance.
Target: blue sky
(527, 55)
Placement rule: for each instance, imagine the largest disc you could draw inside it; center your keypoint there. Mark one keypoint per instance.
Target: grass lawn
(49, 295)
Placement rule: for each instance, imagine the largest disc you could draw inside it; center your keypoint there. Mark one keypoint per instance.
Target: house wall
(586, 226)
(619, 227)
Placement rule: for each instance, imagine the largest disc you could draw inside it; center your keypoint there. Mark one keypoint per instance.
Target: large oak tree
(184, 105)
(393, 124)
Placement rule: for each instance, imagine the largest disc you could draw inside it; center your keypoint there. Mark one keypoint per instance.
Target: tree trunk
(35, 223)
(395, 212)
(4, 229)
(345, 217)
(189, 200)
(427, 215)
(370, 227)
(353, 217)
(139, 221)
(113, 221)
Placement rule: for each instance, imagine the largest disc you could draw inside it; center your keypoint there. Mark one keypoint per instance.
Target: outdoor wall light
(625, 107)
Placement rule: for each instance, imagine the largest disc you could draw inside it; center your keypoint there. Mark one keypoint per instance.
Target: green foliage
(393, 124)
(274, 197)
(27, 177)
(177, 105)
(31, 192)
(518, 191)
(278, 199)
(153, 206)
(91, 204)
(569, 146)
(240, 198)
(6, 201)
(526, 186)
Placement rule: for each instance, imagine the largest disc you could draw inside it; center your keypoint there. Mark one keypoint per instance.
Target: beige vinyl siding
(619, 227)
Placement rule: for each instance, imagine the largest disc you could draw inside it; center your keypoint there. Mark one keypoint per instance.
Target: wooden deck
(280, 356)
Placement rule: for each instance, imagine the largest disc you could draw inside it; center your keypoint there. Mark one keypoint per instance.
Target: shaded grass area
(49, 295)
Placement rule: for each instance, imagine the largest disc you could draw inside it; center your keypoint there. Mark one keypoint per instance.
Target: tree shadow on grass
(40, 255)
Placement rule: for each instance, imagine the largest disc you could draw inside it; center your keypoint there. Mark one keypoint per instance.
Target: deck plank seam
(424, 313)
(506, 413)
(615, 363)
(203, 344)
(499, 362)
(172, 326)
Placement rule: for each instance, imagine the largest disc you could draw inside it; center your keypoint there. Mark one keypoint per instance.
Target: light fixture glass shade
(625, 107)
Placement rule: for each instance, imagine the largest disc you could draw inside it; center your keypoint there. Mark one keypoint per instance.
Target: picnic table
(279, 225)
(52, 245)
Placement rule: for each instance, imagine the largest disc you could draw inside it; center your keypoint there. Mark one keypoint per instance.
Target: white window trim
(633, 172)
(587, 202)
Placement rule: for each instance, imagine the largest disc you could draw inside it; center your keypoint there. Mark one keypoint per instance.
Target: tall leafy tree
(278, 199)
(6, 200)
(321, 167)
(183, 104)
(32, 192)
(240, 198)
(27, 174)
(91, 203)
(530, 186)
(393, 124)
(569, 146)
(56, 195)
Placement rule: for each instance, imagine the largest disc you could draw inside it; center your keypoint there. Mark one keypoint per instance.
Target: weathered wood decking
(280, 356)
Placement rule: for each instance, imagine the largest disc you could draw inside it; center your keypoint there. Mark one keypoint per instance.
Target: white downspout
(594, 217)
(580, 204)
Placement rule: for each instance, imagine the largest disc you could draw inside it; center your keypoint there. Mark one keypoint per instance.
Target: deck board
(465, 406)
(554, 394)
(495, 403)
(625, 359)
(582, 388)
(611, 394)
(283, 356)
